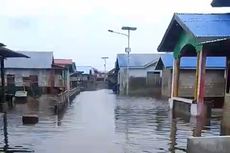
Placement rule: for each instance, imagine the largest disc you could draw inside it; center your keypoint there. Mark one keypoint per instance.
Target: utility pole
(127, 50)
(105, 58)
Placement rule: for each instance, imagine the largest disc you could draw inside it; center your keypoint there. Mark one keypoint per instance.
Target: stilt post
(175, 78)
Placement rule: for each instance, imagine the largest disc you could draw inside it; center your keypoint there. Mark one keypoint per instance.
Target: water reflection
(101, 122)
(225, 124)
(6, 148)
(147, 125)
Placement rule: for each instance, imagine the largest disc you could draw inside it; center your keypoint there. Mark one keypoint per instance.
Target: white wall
(43, 76)
(122, 78)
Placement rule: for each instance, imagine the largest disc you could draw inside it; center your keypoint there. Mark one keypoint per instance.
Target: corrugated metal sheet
(37, 60)
(190, 62)
(137, 60)
(7, 53)
(63, 61)
(206, 26)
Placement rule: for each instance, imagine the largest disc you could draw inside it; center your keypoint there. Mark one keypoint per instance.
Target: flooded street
(101, 122)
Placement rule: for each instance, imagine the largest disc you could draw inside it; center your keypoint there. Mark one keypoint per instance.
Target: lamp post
(127, 50)
(105, 58)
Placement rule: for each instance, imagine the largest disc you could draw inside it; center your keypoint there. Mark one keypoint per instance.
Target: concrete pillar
(175, 78)
(201, 83)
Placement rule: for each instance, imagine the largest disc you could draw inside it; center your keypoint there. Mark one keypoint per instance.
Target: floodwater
(101, 122)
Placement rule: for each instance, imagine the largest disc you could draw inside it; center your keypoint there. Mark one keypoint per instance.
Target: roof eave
(218, 3)
(160, 47)
(184, 27)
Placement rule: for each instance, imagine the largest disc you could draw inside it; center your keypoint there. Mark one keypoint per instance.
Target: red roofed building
(68, 68)
(63, 62)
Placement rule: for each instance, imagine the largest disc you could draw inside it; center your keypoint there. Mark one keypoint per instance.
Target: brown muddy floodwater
(101, 122)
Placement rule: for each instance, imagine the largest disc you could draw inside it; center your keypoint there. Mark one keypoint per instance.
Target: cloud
(78, 28)
(45, 7)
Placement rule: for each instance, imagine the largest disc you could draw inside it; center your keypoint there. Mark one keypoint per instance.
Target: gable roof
(37, 60)
(204, 27)
(137, 60)
(66, 63)
(220, 3)
(190, 62)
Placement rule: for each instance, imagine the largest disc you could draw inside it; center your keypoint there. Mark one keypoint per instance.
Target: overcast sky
(78, 29)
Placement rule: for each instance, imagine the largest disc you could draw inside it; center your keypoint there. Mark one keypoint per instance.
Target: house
(88, 73)
(68, 67)
(201, 36)
(215, 81)
(6, 54)
(87, 77)
(143, 78)
(34, 74)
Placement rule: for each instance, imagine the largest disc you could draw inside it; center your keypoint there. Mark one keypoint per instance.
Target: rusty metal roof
(63, 61)
(66, 63)
(205, 28)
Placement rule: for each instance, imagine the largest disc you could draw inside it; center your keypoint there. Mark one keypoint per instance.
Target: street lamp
(105, 58)
(127, 50)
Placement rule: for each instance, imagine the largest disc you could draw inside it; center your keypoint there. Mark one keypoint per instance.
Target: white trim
(190, 101)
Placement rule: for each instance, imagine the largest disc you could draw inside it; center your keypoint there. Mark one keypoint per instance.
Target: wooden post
(5, 132)
(175, 78)
(201, 106)
(52, 80)
(201, 77)
(227, 75)
(3, 80)
(196, 77)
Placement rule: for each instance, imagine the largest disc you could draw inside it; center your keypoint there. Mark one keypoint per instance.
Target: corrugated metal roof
(220, 3)
(204, 27)
(63, 61)
(37, 60)
(137, 60)
(7, 53)
(190, 62)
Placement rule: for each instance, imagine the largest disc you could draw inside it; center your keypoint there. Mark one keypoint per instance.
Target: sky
(78, 29)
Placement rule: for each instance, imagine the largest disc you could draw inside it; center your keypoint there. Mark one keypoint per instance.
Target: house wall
(59, 77)
(137, 80)
(47, 79)
(121, 79)
(43, 76)
(166, 82)
(214, 83)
